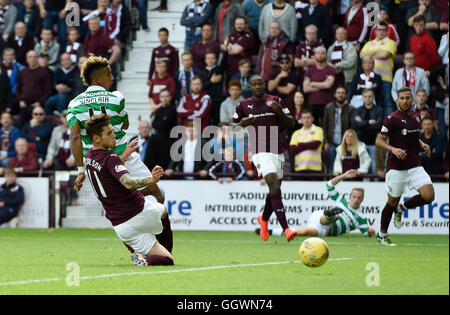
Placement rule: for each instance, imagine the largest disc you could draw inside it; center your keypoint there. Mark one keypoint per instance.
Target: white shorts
(314, 221)
(397, 181)
(139, 231)
(267, 163)
(136, 167)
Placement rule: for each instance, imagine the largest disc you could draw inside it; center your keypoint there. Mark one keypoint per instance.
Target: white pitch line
(111, 275)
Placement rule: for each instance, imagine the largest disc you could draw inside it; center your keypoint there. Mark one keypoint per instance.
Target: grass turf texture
(219, 263)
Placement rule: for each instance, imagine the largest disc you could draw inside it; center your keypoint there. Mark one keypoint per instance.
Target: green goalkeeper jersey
(349, 219)
(94, 101)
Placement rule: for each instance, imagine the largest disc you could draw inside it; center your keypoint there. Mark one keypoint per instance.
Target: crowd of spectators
(337, 65)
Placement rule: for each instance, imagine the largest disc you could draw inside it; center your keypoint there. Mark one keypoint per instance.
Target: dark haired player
(135, 219)
(263, 112)
(403, 168)
(97, 76)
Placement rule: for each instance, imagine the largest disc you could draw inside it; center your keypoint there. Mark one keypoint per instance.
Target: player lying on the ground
(342, 218)
(135, 219)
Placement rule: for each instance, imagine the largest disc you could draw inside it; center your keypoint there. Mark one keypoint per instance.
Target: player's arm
(425, 148)
(280, 111)
(347, 175)
(382, 143)
(132, 183)
(240, 119)
(76, 145)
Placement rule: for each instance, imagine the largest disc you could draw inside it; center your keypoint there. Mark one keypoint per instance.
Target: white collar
(95, 88)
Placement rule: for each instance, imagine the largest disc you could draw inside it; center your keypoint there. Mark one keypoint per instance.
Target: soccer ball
(313, 252)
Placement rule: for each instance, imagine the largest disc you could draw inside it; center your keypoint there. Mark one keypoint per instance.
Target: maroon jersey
(170, 55)
(266, 120)
(247, 41)
(403, 132)
(198, 51)
(321, 97)
(104, 169)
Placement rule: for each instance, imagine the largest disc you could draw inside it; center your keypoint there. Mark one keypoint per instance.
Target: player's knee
(428, 196)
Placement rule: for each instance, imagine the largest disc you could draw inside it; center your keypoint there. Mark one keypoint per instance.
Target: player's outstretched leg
(277, 204)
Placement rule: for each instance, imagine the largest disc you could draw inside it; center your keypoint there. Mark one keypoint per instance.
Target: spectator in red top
(356, 23)
(196, 105)
(199, 48)
(270, 51)
(423, 45)
(383, 16)
(97, 43)
(318, 82)
(34, 87)
(165, 52)
(238, 45)
(161, 81)
(430, 14)
(26, 158)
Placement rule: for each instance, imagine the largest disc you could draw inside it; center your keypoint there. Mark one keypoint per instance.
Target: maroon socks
(165, 238)
(414, 202)
(267, 209)
(386, 216)
(156, 260)
(278, 207)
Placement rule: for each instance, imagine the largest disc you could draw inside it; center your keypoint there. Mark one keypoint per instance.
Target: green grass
(418, 265)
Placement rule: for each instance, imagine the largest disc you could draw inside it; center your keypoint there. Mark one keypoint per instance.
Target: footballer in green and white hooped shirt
(343, 217)
(97, 76)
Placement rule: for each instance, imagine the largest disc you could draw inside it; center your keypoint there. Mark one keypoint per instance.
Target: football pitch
(81, 261)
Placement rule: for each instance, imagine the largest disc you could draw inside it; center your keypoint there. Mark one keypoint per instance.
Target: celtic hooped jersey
(349, 219)
(94, 101)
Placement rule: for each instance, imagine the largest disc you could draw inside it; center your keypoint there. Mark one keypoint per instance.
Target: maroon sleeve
(115, 166)
(152, 65)
(239, 114)
(296, 149)
(172, 87)
(387, 126)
